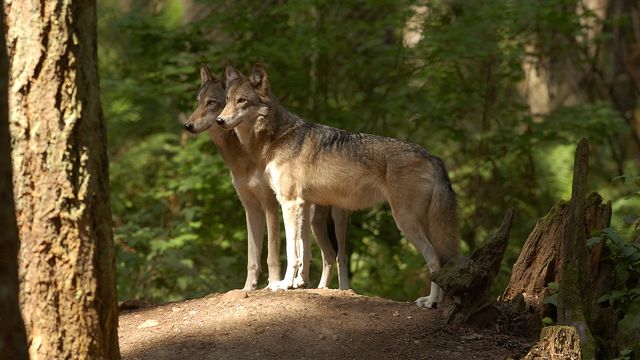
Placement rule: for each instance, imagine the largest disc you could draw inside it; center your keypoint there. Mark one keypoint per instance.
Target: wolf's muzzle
(220, 121)
(190, 127)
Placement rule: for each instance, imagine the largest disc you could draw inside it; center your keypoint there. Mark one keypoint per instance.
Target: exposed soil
(304, 324)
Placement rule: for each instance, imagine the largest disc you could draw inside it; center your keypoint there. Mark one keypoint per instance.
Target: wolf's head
(247, 99)
(210, 102)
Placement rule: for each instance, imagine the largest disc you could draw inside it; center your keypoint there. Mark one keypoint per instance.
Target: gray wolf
(312, 163)
(258, 200)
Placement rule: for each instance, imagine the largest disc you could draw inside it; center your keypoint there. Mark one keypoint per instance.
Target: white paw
(272, 284)
(299, 282)
(427, 301)
(278, 285)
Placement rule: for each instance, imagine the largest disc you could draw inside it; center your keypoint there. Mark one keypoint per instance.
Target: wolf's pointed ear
(205, 74)
(259, 79)
(230, 75)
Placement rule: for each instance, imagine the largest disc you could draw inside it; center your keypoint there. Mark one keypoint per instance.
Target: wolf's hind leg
(410, 225)
(340, 219)
(319, 222)
(433, 262)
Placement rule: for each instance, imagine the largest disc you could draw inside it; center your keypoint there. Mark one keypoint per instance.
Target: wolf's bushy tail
(442, 214)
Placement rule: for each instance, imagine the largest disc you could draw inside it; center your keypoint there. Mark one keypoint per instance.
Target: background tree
(13, 342)
(66, 258)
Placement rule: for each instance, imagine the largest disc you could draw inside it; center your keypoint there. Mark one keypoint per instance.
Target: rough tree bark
(540, 261)
(557, 251)
(13, 342)
(556, 342)
(66, 257)
(572, 309)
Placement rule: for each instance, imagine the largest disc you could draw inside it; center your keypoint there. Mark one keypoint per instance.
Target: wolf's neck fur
(261, 138)
(230, 149)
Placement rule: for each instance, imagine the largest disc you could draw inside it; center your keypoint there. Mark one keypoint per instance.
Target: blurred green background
(501, 90)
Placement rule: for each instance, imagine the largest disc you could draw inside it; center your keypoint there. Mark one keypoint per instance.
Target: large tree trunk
(13, 344)
(66, 258)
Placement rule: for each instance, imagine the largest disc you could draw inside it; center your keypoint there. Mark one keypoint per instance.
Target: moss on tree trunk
(571, 308)
(540, 261)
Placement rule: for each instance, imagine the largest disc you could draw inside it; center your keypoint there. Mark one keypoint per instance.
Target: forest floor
(303, 324)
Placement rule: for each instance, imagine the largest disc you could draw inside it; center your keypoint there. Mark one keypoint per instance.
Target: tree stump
(467, 281)
(556, 343)
(556, 251)
(540, 262)
(573, 303)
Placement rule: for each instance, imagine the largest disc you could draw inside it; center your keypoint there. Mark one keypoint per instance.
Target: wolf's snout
(220, 121)
(189, 127)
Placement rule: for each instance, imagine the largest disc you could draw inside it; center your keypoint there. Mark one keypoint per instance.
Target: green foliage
(551, 299)
(625, 354)
(547, 321)
(625, 298)
(179, 226)
(172, 240)
(384, 262)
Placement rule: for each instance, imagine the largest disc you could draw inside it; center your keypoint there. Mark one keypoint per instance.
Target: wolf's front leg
(273, 242)
(292, 215)
(303, 247)
(255, 233)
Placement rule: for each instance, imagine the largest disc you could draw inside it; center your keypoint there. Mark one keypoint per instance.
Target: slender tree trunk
(13, 343)
(66, 258)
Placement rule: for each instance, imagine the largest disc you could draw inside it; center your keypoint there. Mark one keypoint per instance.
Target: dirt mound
(303, 324)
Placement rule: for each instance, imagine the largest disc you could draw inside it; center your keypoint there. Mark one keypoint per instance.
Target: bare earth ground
(303, 324)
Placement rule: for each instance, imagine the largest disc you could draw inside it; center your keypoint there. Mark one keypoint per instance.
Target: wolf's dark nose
(220, 121)
(189, 127)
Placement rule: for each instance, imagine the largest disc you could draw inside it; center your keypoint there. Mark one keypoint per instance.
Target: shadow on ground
(304, 324)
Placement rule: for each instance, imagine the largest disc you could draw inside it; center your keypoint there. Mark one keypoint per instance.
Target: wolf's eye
(211, 102)
(242, 101)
